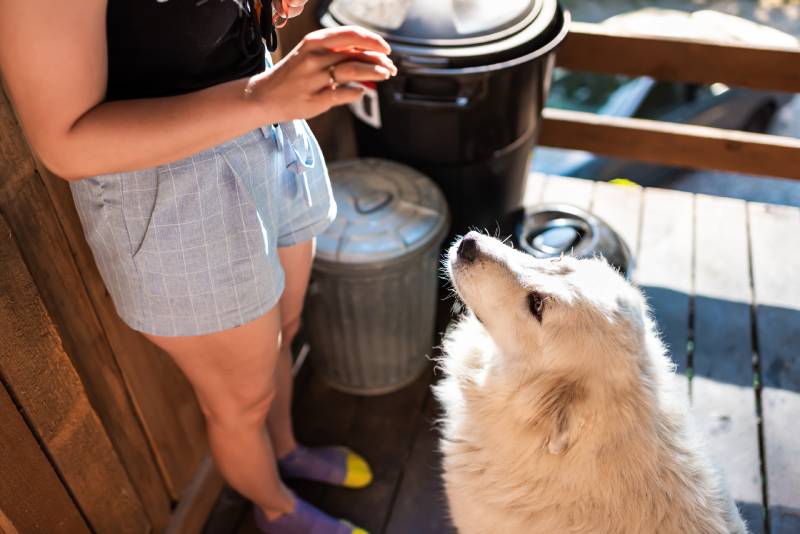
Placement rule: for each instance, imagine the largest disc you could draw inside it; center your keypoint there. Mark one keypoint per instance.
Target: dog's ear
(558, 407)
(562, 437)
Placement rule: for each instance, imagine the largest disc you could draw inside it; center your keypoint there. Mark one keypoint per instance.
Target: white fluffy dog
(560, 414)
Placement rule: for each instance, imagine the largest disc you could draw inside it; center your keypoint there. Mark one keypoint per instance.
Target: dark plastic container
(466, 105)
(549, 230)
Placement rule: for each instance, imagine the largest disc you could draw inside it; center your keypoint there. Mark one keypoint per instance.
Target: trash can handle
(373, 201)
(468, 93)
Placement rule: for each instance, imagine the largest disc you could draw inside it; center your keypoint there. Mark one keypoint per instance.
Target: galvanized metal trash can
(371, 304)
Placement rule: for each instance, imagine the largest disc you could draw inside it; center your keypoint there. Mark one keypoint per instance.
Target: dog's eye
(536, 305)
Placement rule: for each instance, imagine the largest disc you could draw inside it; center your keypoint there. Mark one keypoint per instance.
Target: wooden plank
(197, 501)
(666, 143)
(665, 266)
(775, 249)
(421, 504)
(30, 214)
(167, 406)
(41, 377)
(32, 498)
(679, 59)
(575, 191)
(533, 188)
(723, 393)
(621, 207)
(382, 431)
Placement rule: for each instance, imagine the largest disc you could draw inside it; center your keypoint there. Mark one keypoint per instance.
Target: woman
(200, 189)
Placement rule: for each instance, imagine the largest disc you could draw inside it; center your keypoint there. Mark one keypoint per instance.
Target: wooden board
(665, 58)
(421, 504)
(568, 190)
(667, 143)
(775, 244)
(664, 269)
(533, 188)
(723, 393)
(32, 499)
(25, 204)
(621, 207)
(41, 377)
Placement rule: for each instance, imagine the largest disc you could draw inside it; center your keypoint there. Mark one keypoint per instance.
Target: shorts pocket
(204, 231)
(176, 217)
(139, 197)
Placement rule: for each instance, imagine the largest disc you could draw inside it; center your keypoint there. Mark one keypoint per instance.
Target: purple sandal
(304, 519)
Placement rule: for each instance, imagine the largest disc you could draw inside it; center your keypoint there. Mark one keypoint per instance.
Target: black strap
(267, 27)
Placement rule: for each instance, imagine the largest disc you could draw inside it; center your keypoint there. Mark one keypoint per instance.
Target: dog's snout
(468, 248)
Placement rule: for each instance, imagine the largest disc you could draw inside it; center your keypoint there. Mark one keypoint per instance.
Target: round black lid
(448, 34)
(438, 22)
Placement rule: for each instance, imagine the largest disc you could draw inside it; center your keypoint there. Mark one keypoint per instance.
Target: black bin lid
(550, 230)
(454, 33)
(438, 22)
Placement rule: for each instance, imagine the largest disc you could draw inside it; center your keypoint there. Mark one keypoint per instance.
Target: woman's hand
(289, 8)
(309, 80)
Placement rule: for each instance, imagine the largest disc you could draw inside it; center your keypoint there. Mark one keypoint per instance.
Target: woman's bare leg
(296, 262)
(331, 465)
(232, 373)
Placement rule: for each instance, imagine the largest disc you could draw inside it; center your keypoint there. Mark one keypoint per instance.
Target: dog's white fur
(571, 424)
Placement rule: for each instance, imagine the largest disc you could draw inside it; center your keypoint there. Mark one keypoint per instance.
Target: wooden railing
(594, 48)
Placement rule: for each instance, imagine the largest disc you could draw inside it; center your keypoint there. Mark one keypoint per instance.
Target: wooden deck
(723, 277)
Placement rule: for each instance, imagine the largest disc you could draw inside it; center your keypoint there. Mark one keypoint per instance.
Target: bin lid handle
(373, 201)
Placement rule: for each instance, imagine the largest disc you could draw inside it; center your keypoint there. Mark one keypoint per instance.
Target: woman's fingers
(376, 58)
(339, 96)
(346, 38)
(323, 60)
(357, 71)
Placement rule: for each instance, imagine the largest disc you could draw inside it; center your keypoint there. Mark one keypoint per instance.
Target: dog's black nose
(468, 248)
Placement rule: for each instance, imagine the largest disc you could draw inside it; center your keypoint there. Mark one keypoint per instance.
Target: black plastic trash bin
(466, 105)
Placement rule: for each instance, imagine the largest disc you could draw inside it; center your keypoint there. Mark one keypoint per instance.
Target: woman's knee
(238, 407)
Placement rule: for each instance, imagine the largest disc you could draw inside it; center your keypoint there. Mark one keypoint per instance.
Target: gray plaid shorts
(190, 247)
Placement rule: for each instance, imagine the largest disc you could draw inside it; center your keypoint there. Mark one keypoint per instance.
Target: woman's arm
(54, 64)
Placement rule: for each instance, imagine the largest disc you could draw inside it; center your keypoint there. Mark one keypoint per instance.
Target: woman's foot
(338, 466)
(304, 519)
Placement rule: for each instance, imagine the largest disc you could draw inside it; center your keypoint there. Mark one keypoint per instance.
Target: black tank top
(170, 47)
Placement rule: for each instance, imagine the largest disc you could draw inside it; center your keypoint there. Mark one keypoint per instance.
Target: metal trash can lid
(386, 212)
